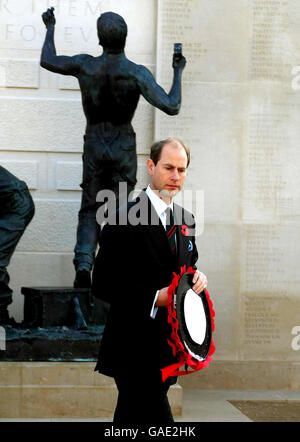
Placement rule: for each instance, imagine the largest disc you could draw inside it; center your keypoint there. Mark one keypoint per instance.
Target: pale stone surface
(20, 73)
(68, 83)
(60, 389)
(60, 373)
(53, 227)
(274, 40)
(67, 401)
(269, 260)
(271, 156)
(31, 167)
(58, 125)
(267, 327)
(27, 171)
(142, 173)
(22, 117)
(244, 375)
(23, 29)
(68, 175)
(214, 35)
(295, 376)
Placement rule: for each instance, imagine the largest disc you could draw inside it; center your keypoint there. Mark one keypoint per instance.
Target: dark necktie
(171, 229)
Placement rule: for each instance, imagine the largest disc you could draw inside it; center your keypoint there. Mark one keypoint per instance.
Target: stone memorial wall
(240, 116)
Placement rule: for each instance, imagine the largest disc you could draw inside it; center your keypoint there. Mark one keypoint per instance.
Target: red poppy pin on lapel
(185, 230)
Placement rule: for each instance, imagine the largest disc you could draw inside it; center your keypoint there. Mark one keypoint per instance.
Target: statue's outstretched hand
(48, 17)
(179, 61)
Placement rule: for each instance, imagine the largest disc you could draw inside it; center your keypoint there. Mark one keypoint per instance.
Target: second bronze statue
(111, 86)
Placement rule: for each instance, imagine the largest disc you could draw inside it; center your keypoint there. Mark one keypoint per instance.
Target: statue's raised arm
(49, 60)
(169, 103)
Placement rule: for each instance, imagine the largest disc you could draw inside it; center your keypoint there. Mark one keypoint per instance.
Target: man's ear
(150, 166)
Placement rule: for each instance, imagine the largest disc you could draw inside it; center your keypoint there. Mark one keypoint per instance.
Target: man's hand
(48, 17)
(179, 61)
(162, 299)
(200, 282)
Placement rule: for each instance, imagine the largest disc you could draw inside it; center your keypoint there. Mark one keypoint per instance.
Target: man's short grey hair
(156, 148)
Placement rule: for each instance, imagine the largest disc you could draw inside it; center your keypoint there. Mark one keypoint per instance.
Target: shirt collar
(159, 205)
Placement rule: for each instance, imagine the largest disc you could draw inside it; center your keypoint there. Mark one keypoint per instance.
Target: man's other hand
(48, 17)
(200, 282)
(162, 299)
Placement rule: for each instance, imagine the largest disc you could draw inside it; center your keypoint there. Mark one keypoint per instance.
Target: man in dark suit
(133, 270)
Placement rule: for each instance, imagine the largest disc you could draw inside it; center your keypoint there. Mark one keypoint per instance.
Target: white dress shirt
(160, 207)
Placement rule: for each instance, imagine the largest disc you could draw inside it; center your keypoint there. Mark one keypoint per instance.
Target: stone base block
(52, 306)
(51, 344)
(245, 375)
(60, 389)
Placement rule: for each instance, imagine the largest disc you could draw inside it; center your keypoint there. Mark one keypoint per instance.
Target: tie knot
(169, 217)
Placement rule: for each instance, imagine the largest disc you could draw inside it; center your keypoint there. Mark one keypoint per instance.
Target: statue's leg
(88, 228)
(5, 294)
(13, 222)
(124, 174)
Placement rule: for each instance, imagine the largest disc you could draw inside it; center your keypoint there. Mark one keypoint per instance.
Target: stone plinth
(51, 344)
(49, 331)
(52, 306)
(59, 389)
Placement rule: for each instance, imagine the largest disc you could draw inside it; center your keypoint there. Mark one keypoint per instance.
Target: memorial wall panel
(214, 35)
(268, 325)
(270, 260)
(271, 184)
(274, 39)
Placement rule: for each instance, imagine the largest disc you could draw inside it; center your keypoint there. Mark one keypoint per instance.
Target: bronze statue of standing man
(111, 86)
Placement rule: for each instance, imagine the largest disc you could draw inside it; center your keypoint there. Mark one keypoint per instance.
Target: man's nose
(175, 175)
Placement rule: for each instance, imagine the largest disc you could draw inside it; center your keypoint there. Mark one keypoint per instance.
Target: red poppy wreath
(184, 349)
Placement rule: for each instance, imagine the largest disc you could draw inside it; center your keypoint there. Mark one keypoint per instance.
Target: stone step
(61, 389)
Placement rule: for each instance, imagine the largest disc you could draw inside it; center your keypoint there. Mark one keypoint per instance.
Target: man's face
(168, 175)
